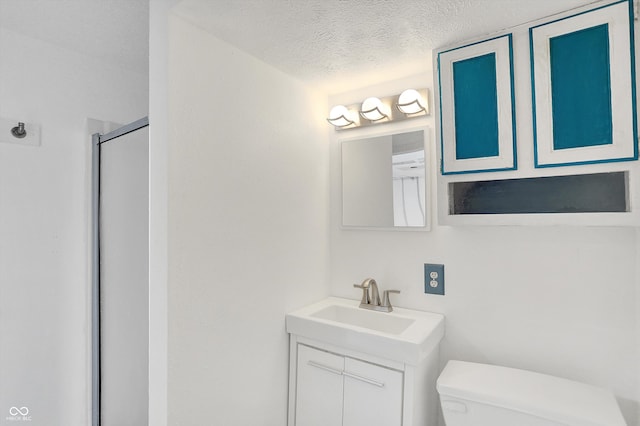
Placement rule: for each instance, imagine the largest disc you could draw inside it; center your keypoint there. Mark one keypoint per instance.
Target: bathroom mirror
(384, 181)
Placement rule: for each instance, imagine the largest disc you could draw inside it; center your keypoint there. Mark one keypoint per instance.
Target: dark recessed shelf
(589, 193)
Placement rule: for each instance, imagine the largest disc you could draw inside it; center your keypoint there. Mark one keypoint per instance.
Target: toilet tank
(486, 395)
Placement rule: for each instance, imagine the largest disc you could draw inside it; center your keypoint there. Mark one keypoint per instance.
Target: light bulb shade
(411, 102)
(373, 109)
(340, 116)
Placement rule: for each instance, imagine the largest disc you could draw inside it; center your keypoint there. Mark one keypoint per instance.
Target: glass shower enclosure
(120, 276)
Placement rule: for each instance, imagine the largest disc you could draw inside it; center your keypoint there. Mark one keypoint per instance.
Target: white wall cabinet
(573, 94)
(582, 80)
(330, 386)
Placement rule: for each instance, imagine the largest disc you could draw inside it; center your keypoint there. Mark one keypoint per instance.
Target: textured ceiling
(334, 44)
(113, 30)
(337, 44)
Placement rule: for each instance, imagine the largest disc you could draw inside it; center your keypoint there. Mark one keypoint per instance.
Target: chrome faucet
(372, 300)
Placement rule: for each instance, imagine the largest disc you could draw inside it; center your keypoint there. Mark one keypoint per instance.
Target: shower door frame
(96, 141)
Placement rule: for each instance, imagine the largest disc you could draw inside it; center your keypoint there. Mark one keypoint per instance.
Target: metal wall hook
(19, 131)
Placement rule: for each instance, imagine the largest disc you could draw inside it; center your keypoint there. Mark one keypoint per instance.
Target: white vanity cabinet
(332, 389)
(350, 366)
(336, 386)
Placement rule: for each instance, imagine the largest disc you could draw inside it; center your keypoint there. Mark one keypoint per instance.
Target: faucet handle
(385, 298)
(365, 293)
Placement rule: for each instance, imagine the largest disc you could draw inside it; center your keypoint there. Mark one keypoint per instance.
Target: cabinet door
(319, 388)
(477, 115)
(372, 395)
(584, 103)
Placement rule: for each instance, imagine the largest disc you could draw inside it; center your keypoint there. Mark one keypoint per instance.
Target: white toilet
(487, 395)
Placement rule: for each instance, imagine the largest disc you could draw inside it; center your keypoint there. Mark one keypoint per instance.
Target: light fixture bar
(409, 104)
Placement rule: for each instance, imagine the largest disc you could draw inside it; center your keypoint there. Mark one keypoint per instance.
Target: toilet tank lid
(536, 394)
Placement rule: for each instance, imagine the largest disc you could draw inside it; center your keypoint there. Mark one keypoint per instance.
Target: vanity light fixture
(340, 116)
(374, 110)
(411, 102)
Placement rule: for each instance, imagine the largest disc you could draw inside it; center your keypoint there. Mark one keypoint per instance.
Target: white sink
(403, 335)
(363, 318)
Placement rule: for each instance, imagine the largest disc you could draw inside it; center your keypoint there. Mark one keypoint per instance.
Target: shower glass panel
(123, 280)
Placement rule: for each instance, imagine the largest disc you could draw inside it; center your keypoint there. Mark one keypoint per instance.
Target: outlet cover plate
(434, 278)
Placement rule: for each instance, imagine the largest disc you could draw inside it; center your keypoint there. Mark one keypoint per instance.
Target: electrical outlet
(434, 278)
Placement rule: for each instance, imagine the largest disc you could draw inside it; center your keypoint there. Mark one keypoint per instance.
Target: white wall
(158, 189)
(559, 300)
(248, 228)
(44, 222)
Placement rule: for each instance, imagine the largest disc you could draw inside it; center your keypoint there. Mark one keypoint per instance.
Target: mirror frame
(429, 179)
